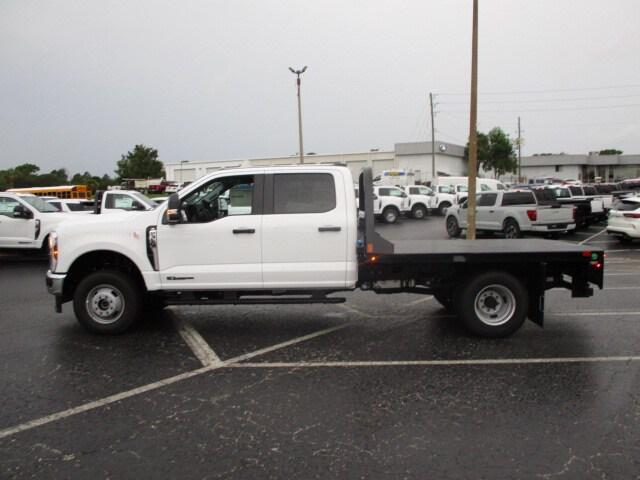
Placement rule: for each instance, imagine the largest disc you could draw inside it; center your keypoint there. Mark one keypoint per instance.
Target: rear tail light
(533, 215)
(575, 211)
(632, 215)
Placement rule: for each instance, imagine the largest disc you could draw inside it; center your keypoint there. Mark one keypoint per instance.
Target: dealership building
(417, 157)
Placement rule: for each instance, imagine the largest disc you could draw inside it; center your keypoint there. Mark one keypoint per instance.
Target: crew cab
(300, 241)
(26, 221)
(420, 200)
(512, 213)
(74, 206)
(588, 211)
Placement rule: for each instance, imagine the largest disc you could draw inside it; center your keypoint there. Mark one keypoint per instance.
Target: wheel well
(98, 260)
(418, 204)
(391, 206)
(504, 223)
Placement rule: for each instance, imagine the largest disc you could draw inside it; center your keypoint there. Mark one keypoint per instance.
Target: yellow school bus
(63, 191)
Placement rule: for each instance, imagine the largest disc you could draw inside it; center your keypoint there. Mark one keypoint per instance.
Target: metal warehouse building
(449, 160)
(582, 167)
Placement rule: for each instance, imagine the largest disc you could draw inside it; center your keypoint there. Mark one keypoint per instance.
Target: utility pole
(298, 73)
(433, 145)
(473, 130)
(519, 153)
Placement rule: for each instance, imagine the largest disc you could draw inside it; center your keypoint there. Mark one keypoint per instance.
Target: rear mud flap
(536, 308)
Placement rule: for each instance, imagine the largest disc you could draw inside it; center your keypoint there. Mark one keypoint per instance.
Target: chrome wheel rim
(390, 216)
(418, 213)
(105, 304)
(495, 305)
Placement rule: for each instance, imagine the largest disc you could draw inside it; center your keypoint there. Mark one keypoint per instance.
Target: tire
(44, 248)
(107, 302)
(390, 215)
(445, 299)
(492, 304)
(442, 208)
(418, 212)
(453, 229)
(511, 229)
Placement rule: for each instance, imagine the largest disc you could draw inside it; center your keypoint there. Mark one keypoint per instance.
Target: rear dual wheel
(492, 304)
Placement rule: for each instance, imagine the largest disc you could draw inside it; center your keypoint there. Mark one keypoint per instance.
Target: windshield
(40, 204)
(146, 201)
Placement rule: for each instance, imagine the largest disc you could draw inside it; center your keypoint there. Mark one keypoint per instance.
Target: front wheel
(493, 304)
(107, 302)
(418, 212)
(442, 208)
(453, 229)
(390, 215)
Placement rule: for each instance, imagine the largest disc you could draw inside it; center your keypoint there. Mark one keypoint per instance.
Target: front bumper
(55, 283)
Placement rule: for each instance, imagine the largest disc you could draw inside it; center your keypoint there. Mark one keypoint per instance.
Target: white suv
(390, 203)
(421, 199)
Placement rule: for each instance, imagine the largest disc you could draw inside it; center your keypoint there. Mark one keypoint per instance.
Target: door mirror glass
(21, 211)
(173, 209)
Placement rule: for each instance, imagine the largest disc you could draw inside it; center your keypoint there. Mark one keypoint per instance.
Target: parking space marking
(621, 274)
(38, 422)
(591, 314)
(592, 236)
(194, 341)
(356, 311)
(429, 363)
(624, 250)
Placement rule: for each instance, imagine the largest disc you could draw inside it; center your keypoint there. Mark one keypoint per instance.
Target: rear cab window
(304, 193)
(518, 198)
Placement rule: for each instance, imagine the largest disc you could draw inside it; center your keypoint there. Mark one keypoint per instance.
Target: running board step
(197, 298)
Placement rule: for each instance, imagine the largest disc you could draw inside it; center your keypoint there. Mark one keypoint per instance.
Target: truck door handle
(491, 211)
(244, 230)
(329, 229)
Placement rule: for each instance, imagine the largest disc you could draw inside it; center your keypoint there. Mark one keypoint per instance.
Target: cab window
(7, 205)
(219, 198)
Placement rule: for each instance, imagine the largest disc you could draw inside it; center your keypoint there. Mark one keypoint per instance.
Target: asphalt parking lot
(379, 387)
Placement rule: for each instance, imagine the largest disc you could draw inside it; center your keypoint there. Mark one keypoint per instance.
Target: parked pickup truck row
(298, 239)
(26, 220)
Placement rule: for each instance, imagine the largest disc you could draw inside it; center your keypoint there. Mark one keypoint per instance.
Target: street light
(182, 162)
(298, 73)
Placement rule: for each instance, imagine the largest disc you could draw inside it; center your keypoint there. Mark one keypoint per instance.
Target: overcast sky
(82, 82)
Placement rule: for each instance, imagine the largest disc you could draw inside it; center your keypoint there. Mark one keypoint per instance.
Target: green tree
(610, 151)
(495, 152)
(141, 163)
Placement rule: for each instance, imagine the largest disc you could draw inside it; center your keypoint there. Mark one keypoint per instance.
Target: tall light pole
(298, 73)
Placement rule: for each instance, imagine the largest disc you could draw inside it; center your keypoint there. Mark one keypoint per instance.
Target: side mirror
(404, 195)
(21, 211)
(463, 204)
(173, 209)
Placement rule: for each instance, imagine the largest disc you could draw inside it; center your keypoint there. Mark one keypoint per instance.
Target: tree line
(141, 162)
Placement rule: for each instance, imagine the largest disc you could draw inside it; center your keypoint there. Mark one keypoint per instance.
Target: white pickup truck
(114, 201)
(26, 221)
(512, 213)
(390, 203)
(421, 200)
(299, 241)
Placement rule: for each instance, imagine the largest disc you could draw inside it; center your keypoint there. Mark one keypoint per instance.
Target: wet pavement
(380, 387)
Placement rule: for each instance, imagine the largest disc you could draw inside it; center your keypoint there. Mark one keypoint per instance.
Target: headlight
(53, 251)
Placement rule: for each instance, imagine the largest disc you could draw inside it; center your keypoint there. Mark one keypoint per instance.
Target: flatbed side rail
(374, 244)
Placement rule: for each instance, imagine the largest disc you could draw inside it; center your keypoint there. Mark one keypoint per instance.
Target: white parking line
(7, 432)
(421, 363)
(421, 300)
(592, 236)
(621, 274)
(591, 314)
(194, 341)
(624, 250)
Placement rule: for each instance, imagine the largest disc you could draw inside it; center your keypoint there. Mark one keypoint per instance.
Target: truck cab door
(486, 217)
(305, 231)
(14, 231)
(218, 244)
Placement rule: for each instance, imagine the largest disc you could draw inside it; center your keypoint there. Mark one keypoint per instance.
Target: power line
(527, 92)
(547, 100)
(600, 107)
